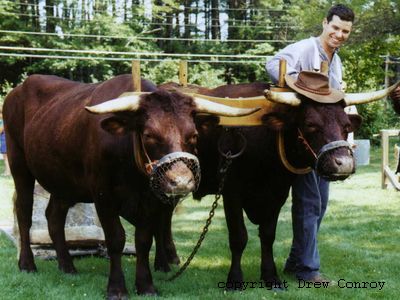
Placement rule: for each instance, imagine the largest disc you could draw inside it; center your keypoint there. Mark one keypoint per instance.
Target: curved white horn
(288, 98)
(128, 103)
(206, 106)
(360, 98)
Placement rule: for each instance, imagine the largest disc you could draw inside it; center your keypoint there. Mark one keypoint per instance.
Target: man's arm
(292, 53)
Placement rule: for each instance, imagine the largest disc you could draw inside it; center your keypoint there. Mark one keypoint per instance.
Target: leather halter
(141, 156)
(284, 160)
(149, 166)
(325, 148)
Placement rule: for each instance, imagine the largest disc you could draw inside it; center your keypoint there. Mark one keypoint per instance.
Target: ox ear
(206, 123)
(275, 121)
(116, 125)
(355, 121)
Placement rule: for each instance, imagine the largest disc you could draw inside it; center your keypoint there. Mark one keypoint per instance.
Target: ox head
(164, 136)
(321, 128)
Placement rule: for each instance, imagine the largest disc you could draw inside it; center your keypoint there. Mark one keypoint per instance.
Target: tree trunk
(236, 15)
(186, 19)
(50, 21)
(215, 24)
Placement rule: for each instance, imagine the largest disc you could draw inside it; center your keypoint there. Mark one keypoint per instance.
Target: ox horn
(288, 98)
(360, 98)
(128, 103)
(206, 106)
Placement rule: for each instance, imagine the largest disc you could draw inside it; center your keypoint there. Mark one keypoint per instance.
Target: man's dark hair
(342, 11)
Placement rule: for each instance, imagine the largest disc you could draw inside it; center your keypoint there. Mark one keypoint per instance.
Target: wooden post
(137, 85)
(183, 72)
(385, 156)
(388, 176)
(324, 67)
(282, 73)
(387, 62)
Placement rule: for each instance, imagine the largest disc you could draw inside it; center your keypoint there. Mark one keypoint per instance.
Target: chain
(222, 172)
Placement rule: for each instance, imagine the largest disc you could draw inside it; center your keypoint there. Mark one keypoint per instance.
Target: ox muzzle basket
(159, 177)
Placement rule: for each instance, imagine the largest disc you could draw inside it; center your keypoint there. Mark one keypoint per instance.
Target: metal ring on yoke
(228, 153)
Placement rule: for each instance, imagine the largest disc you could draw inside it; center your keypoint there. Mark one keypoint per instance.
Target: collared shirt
(306, 55)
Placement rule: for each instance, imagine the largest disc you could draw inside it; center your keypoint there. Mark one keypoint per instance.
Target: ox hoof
(275, 285)
(68, 269)
(27, 267)
(119, 296)
(150, 291)
(174, 260)
(279, 289)
(233, 286)
(234, 281)
(162, 268)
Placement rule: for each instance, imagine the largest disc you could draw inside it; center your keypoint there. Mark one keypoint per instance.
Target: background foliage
(214, 27)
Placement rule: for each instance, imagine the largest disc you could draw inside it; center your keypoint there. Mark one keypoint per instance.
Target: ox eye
(347, 128)
(192, 139)
(311, 127)
(150, 138)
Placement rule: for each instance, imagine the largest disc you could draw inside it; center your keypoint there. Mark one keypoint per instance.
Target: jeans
(309, 200)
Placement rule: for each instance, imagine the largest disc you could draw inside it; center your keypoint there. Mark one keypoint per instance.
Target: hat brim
(334, 96)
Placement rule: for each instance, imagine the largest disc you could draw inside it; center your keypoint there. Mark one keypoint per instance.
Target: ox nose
(344, 164)
(182, 183)
(180, 179)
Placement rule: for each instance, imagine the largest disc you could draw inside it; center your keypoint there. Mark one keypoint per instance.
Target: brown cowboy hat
(314, 85)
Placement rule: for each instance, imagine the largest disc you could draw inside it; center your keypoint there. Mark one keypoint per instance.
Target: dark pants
(309, 200)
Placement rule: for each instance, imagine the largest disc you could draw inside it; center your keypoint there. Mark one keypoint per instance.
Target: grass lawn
(358, 242)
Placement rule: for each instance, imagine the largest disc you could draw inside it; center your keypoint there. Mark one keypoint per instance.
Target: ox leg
(237, 241)
(56, 213)
(115, 241)
(172, 255)
(165, 247)
(143, 241)
(160, 260)
(23, 205)
(267, 237)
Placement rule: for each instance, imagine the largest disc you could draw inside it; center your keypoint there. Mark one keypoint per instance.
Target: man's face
(336, 32)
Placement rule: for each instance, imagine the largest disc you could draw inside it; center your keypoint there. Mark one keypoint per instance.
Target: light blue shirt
(306, 55)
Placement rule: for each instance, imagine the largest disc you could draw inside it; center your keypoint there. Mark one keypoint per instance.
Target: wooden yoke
(324, 67)
(183, 73)
(282, 73)
(281, 85)
(137, 84)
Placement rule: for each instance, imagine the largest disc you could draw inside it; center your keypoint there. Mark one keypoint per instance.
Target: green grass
(358, 242)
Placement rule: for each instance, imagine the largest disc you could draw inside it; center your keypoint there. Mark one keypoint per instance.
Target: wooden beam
(387, 176)
(282, 73)
(183, 72)
(324, 67)
(137, 85)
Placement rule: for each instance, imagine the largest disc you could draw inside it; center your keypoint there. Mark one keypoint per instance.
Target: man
(3, 149)
(310, 192)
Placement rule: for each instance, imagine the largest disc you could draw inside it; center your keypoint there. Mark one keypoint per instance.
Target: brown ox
(90, 157)
(258, 182)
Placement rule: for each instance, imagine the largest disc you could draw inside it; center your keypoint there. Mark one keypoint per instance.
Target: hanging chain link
(227, 161)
